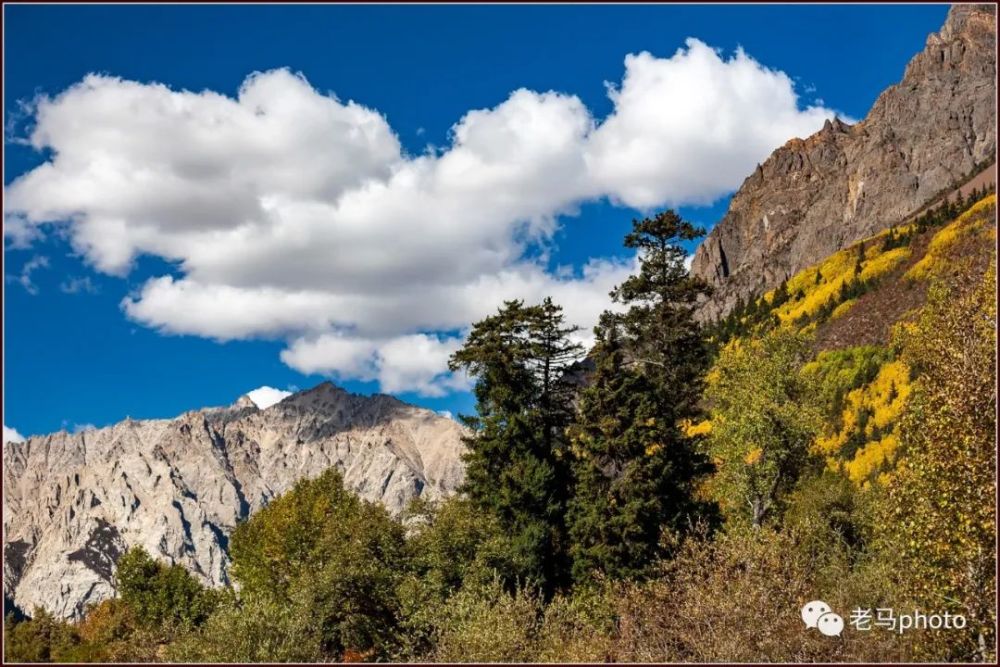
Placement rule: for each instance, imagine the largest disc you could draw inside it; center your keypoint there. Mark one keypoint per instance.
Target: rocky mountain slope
(74, 502)
(815, 196)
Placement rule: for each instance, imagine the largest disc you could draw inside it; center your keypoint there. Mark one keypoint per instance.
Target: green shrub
(737, 599)
(253, 631)
(485, 623)
(42, 638)
(159, 595)
(580, 626)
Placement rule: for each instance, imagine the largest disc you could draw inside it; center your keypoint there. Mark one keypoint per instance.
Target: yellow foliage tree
(762, 424)
(940, 508)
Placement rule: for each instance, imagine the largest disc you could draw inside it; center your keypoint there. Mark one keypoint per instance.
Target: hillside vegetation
(833, 439)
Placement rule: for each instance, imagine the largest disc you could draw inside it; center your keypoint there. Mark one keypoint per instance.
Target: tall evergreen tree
(516, 467)
(658, 329)
(552, 353)
(635, 468)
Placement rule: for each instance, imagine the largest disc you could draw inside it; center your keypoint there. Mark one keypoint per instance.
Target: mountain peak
(815, 196)
(966, 17)
(178, 487)
(244, 401)
(323, 391)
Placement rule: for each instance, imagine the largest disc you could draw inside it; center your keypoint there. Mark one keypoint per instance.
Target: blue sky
(73, 356)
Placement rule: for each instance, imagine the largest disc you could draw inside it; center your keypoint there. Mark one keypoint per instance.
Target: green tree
(253, 630)
(630, 482)
(110, 632)
(42, 638)
(451, 544)
(516, 467)
(635, 469)
(489, 623)
(658, 329)
(161, 596)
(780, 294)
(763, 421)
(325, 559)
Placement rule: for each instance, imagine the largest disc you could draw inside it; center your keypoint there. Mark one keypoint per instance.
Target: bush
(111, 633)
(42, 638)
(451, 544)
(737, 599)
(941, 505)
(253, 631)
(579, 626)
(485, 623)
(161, 596)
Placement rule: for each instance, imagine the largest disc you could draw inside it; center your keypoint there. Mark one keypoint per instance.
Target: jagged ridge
(74, 502)
(814, 196)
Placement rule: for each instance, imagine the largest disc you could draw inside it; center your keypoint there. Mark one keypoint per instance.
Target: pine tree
(634, 467)
(780, 294)
(627, 487)
(659, 330)
(516, 467)
(552, 353)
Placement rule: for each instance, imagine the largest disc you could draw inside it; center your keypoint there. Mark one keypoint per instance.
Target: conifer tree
(658, 329)
(634, 467)
(516, 467)
(780, 294)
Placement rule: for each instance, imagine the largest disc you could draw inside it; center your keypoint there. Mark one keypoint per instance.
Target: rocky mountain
(73, 503)
(814, 196)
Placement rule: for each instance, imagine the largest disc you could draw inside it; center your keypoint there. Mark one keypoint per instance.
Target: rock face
(815, 196)
(73, 503)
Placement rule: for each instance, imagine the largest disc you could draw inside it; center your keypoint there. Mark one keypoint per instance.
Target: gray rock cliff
(73, 503)
(814, 196)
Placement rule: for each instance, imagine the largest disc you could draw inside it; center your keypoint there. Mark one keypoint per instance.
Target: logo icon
(818, 614)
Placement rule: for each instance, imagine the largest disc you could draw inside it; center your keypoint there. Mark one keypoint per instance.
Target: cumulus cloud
(293, 215)
(415, 362)
(11, 435)
(264, 397)
(18, 233)
(687, 129)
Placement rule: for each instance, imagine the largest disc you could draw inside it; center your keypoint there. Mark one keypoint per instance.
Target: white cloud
(24, 278)
(11, 435)
(415, 362)
(18, 233)
(687, 129)
(293, 215)
(83, 428)
(77, 285)
(264, 397)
